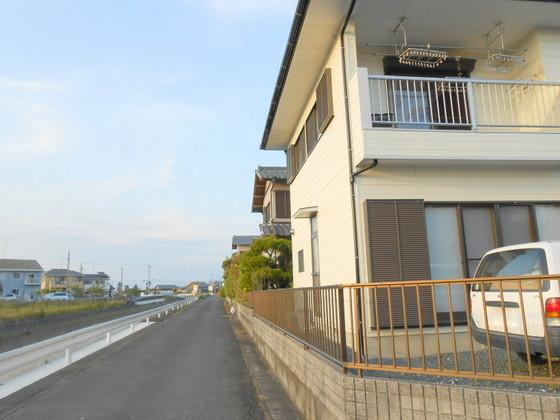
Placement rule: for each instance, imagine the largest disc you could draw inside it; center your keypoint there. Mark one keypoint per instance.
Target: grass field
(13, 311)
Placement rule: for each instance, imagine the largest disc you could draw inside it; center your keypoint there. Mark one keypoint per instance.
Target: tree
(134, 291)
(267, 265)
(77, 291)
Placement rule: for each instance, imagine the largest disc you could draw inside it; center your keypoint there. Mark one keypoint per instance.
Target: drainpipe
(349, 140)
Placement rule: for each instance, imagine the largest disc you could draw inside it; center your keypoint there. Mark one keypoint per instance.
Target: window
(515, 225)
(548, 221)
(446, 256)
(282, 204)
(301, 267)
(482, 227)
(16, 275)
(31, 276)
(311, 131)
(325, 112)
(315, 250)
(266, 213)
(15, 292)
(480, 234)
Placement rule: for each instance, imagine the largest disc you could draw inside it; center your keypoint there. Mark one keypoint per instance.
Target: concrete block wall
(321, 390)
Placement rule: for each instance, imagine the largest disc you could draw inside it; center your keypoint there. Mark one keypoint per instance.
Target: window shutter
(325, 111)
(282, 201)
(290, 163)
(311, 130)
(398, 251)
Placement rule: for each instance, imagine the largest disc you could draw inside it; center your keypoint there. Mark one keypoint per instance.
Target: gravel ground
(482, 363)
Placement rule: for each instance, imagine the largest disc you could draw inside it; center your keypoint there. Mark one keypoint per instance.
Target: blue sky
(130, 130)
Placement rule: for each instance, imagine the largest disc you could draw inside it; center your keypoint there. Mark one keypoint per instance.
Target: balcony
(456, 119)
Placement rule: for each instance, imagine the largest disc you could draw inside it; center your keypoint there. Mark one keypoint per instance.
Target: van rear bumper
(517, 341)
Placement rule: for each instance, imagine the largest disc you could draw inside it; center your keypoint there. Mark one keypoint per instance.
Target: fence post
(342, 325)
(68, 356)
(108, 338)
(305, 317)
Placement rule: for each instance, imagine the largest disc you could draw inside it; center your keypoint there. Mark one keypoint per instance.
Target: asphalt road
(188, 367)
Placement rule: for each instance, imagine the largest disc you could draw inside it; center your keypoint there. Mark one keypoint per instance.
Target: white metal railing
(14, 363)
(437, 103)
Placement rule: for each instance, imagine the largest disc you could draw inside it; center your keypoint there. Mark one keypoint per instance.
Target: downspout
(349, 140)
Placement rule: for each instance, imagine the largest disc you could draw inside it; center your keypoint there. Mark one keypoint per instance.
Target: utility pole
(122, 271)
(149, 284)
(5, 250)
(68, 271)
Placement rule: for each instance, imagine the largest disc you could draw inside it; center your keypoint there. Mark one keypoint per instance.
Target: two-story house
(21, 278)
(98, 280)
(242, 243)
(419, 134)
(271, 198)
(61, 279)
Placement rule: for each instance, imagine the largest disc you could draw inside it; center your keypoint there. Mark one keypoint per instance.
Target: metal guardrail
(18, 361)
(488, 328)
(459, 103)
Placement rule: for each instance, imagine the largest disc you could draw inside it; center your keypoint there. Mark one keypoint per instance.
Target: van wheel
(536, 359)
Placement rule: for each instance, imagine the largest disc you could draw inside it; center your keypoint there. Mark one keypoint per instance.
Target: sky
(130, 131)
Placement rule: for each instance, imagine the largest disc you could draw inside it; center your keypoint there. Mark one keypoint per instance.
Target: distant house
(242, 243)
(166, 289)
(100, 279)
(213, 287)
(20, 277)
(196, 287)
(61, 279)
(271, 198)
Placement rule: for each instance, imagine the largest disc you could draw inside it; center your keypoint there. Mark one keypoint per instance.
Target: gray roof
(243, 240)
(166, 286)
(273, 173)
(276, 229)
(19, 265)
(62, 272)
(99, 275)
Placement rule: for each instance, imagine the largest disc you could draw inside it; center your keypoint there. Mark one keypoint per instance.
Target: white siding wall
(550, 52)
(323, 182)
(454, 183)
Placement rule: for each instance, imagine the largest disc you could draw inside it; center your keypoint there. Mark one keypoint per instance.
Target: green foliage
(133, 291)
(77, 291)
(96, 291)
(267, 265)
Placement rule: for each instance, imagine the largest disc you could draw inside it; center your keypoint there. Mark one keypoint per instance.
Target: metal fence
(490, 329)
(458, 103)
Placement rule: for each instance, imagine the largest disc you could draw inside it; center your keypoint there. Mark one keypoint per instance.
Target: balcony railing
(505, 329)
(458, 103)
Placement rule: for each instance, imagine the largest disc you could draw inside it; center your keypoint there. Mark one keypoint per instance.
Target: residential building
(242, 243)
(20, 277)
(166, 289)
(61, 279)
(271, 198)
(98, 280)
(415, 139)
(197, 287)
(214, 287)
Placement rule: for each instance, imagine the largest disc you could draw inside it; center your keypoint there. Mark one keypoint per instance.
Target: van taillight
(552, 307)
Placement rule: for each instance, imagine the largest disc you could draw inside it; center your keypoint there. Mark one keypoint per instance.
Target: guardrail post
(68, 356)
(108, 338)
(167, 312)
(132, 327)
(159, 315)
(147, 320)
(341, 325)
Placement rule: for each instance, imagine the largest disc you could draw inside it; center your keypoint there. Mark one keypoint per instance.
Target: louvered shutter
(398, 251)
(323, 94)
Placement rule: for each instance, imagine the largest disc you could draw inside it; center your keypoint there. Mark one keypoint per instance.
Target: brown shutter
(282, 201)
(398, 250)
(325, 109)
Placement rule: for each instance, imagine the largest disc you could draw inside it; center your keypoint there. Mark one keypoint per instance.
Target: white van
(530, 259)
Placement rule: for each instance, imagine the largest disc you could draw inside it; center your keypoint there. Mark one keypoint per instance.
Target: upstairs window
(311, 131)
